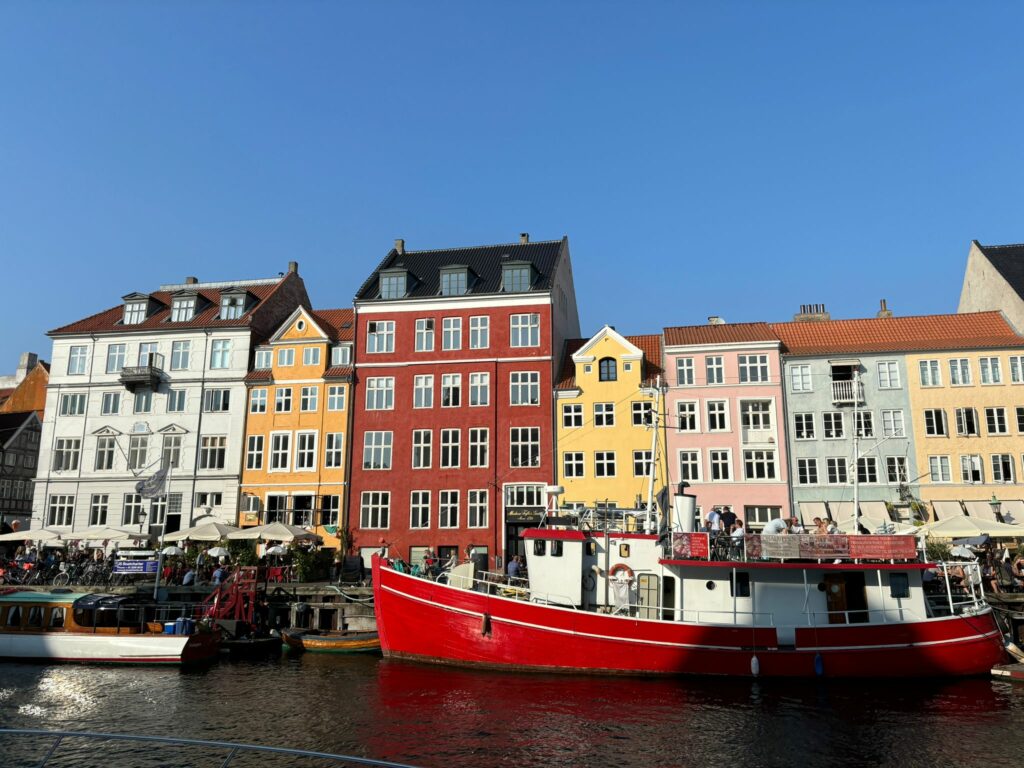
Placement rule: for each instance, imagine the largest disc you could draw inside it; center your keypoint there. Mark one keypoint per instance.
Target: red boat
(624, 602)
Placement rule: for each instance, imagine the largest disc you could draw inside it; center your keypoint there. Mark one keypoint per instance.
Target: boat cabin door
(846, 598)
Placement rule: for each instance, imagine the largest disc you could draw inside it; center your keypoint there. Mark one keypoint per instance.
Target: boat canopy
(103, 602)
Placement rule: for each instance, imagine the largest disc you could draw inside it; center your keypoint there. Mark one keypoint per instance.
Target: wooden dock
(1009, 672)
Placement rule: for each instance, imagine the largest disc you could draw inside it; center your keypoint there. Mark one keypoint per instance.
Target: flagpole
(163, 530)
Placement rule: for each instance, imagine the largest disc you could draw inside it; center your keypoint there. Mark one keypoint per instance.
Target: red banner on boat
(690, 546)
(824, 547)
(883, 547)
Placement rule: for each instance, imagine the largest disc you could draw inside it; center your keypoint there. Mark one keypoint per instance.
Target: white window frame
(479, 332)
(479, 442)
(424, 341)
(572, 415)
(687, 416)
(419, 510)
(380, 337)
(520, 382)
(280, 449)
(451, 334)
(800, 378)
(724, 412)
(258, 400)
(422, 448)
(693, 459)
(423, 391)
(336, 397)
(382, 442)
(479, 389)
(524, 330)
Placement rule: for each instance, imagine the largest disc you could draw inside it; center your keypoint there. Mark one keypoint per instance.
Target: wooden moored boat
(70, 626)
(318, 641)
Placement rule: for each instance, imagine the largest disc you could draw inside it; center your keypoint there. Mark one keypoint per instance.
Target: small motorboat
(334, 641)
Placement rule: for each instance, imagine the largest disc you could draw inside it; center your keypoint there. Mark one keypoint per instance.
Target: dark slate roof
(11, 423)
(1008, 261)
(483, 261)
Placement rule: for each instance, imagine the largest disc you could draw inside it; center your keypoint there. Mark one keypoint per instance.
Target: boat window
(539, 547)
(591, 548)
(556, 549)
(623, 550)
(35, 616)
(899, 585)
(14, 616)
(83, 617)
(56, 618)
(739, 586)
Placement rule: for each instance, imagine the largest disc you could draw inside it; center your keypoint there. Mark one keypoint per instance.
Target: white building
(160, 375)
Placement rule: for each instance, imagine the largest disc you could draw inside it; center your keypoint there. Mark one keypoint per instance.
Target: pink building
(725, 425)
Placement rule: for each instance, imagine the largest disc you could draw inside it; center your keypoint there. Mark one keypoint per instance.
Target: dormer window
(516, 278)
(135, 312)
(454, 282)
(393, 285)
(264, 359)
(183, 309)
(341, 355)
(232, 307)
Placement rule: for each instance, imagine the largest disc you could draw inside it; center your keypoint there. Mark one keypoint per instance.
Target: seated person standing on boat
(820, 528)
(795, 526)
(776, 527)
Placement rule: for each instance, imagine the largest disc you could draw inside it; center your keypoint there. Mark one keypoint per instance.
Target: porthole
(710, 585)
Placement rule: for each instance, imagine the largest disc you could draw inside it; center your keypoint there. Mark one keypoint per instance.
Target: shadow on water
(439, 716)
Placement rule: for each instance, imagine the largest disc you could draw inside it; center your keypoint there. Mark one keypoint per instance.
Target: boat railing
(511, 587)
(220, 752)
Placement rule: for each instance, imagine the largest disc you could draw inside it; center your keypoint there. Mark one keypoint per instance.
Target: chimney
(26, 363)
(715, 320)
(884, 310)
(524, 237)
(191, 280)
(293, 267)
(400, 245)
(810, 313)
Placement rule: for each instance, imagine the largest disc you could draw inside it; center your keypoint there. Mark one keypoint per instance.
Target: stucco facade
(969, 435)
(130, 391)
(298, 425)
(725, 429)
(989, 282)
(821, 455)
(604, 425)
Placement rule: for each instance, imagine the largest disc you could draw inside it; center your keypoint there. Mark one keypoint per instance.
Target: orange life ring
(618, 568)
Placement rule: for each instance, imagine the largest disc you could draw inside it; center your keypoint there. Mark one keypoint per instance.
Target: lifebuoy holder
(618, 568)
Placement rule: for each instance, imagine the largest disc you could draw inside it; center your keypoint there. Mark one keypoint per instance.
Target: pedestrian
(513, 568)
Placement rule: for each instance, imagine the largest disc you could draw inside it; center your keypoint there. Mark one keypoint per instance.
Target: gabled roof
(978, 330)
(1008, 261)
(485, 261)
(723, 333)
(338, 324)
(109, 320)
(649, 344)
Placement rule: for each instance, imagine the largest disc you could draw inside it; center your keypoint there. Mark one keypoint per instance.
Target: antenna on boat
(856, 451)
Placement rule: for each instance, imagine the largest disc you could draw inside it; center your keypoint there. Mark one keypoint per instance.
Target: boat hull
(357, 642)
(423, 620)
(108, 648)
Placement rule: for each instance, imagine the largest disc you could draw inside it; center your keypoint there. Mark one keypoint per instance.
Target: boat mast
(655, 412)
(856, 451)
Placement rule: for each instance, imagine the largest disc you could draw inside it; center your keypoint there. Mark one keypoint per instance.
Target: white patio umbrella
(872, 524)
(102, 533)
(217, 552)
(277, 549)
(959, 526)
(172, 552)
(33, 534)
(210, 531)
(274, 532)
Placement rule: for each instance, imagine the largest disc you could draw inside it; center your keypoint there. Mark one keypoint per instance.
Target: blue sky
(736, 159)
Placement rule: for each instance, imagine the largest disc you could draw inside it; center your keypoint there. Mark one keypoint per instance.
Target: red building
(453, 432)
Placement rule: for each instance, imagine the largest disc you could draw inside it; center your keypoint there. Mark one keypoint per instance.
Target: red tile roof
(898, 334)
(338, 324)
(259, 376)
(109, 320)
(726, 333)
(338, 372)
(649, 344)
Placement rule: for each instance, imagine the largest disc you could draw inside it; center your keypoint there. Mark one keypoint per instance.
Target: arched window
(607, 370)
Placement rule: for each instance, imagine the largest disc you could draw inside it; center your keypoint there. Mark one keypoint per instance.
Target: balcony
(147, 375)
(847, 392)
(758, 435)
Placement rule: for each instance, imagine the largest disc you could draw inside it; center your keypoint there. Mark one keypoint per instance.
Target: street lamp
(996, 505)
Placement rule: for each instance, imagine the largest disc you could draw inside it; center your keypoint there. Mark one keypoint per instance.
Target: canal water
(441, 717)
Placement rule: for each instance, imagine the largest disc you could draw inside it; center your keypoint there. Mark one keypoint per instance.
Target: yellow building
(298, 425)
(968, 419)
(603, 412)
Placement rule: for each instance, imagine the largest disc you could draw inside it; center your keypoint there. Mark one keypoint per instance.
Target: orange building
(298, 425)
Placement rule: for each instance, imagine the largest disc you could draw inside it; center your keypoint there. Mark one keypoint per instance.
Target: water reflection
(438, 716)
